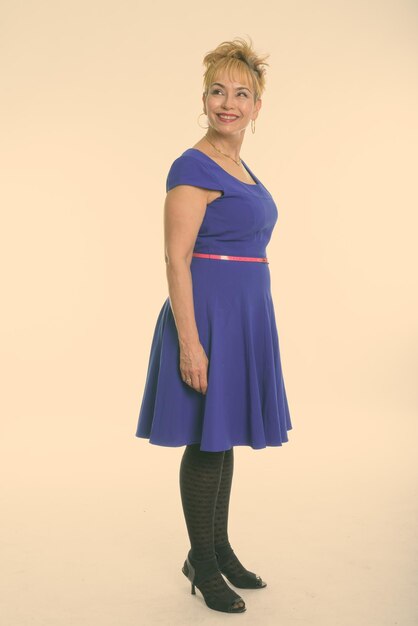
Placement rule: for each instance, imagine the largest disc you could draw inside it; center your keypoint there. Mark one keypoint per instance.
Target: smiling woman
(238, 60)
(214, 378)
(233, 103)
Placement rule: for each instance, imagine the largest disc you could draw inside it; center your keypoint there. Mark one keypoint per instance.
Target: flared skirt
(245, 402)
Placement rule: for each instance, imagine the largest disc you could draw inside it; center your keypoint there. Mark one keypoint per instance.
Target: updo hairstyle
(239, 59)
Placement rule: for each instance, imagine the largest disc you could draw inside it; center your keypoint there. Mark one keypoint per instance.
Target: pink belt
(226, 257)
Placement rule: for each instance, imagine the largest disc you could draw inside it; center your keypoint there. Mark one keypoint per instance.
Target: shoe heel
(190, 573)
(198, 573)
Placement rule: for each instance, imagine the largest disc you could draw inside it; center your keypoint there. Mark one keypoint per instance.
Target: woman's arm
(184, 210)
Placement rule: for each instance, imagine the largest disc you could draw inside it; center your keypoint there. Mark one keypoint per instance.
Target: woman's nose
(228, 101)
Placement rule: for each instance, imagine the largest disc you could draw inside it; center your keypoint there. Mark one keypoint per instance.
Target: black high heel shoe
(234, 571)
(218, 599)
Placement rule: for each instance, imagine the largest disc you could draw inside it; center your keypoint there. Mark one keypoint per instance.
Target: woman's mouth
(227, 119)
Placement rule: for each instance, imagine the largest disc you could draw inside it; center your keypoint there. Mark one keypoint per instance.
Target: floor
(98, 538)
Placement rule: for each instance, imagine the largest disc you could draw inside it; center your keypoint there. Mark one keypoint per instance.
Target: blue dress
(245, 403)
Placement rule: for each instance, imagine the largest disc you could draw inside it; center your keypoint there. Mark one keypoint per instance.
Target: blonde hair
(238, 58)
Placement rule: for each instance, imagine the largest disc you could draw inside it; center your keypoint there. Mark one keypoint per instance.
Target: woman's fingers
(193, 367)
(196, 380)
(203, 384)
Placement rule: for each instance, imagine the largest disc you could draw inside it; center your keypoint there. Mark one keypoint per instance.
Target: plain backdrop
(97, 100)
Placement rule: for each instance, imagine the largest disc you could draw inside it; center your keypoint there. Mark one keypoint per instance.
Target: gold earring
(253, 126)
(206, 120)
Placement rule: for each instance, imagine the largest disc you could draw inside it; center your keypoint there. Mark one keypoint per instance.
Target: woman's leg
(200, 474)
(230, 565)
(223, 499)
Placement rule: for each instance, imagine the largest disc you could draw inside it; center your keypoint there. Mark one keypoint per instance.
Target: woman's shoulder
(190, 169)
(192, 157)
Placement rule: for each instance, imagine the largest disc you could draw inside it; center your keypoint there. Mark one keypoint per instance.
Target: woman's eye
(241, 93)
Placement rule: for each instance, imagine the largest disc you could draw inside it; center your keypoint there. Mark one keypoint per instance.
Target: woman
(214, 376)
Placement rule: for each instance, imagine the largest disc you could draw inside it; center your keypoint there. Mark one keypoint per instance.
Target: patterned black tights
(231, 565)
(200, 478)
(205, 485)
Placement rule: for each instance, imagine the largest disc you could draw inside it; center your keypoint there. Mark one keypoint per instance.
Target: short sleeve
(187, 170)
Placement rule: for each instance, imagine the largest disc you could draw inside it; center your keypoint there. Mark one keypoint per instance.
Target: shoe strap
(202, 569)
(224, 551)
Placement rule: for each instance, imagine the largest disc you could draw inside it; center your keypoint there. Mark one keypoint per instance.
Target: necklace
(227, 155)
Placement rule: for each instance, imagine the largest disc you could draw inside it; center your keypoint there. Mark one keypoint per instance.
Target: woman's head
(240, 62)
(234, 81)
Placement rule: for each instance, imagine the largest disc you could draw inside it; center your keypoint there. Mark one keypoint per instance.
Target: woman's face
(236, 99)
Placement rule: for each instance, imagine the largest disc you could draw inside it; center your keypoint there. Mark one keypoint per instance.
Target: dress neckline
(256, 184)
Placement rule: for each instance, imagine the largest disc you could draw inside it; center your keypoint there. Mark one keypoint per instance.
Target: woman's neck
(230, 146)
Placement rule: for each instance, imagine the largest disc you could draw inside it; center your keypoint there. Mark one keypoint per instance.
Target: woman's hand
(194, 367)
